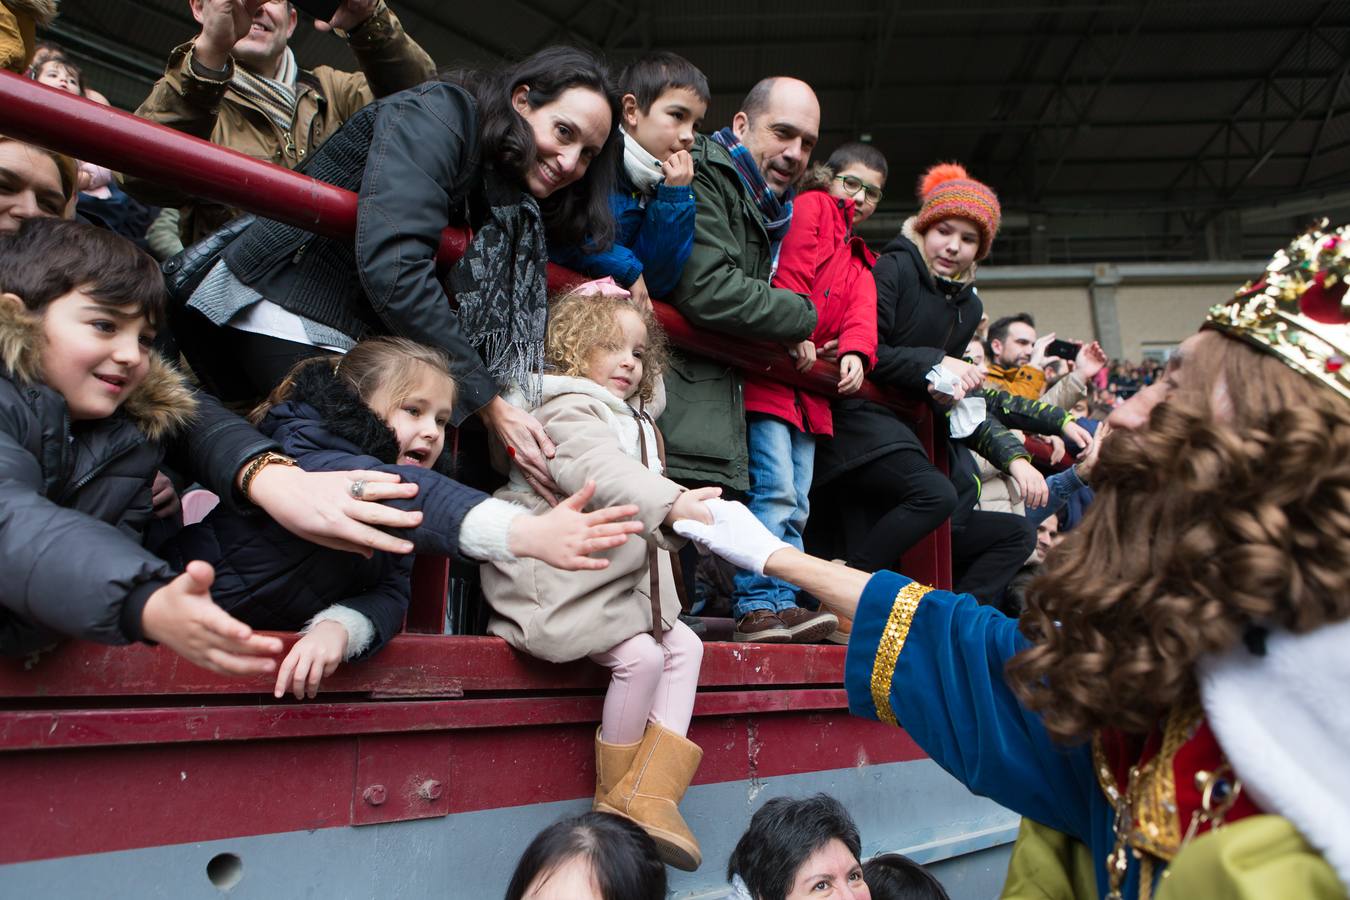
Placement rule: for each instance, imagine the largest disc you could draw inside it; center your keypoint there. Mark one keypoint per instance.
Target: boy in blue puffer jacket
(664, 100)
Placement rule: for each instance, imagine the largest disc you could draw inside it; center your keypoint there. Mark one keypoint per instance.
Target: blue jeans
(781, 463)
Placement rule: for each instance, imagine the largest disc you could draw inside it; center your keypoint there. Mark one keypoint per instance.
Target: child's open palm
(566, 535)
(182, 616)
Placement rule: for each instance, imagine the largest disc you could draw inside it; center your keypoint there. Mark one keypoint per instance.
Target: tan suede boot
(650, 791)
(612, 761)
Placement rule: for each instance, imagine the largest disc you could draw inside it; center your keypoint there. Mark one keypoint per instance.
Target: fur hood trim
(342, 411)
(41, 11)
(161, 405)
(909, 232)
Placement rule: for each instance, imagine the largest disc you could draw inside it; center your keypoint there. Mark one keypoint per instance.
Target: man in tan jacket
(237, 84)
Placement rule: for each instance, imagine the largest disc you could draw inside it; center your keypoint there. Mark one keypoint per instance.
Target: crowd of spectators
(551, 157)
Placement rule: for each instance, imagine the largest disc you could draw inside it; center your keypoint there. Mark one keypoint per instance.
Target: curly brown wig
(579, 324)
(1230, 510)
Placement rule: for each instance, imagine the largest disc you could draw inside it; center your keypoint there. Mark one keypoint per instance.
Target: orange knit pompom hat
(947, 191)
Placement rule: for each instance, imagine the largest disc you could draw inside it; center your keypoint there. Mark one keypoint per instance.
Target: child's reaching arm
(357, 627)
(119, 593)
(461, 522)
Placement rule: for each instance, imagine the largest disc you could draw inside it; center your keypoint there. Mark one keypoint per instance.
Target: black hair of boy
(622, 856)
(856, 152)
(652, 74)
(894, 876)
(783, 833)
(48, 258)
(999, 330)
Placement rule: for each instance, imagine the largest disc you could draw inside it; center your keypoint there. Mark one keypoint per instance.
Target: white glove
(735, 535)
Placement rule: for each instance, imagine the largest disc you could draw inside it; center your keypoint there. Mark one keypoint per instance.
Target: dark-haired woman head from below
(894, 876)
(521, 155)
(595, 856)
(799, 849)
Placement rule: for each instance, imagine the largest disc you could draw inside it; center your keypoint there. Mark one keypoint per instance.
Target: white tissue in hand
(735, 535)
(943, 382)
(966, 416)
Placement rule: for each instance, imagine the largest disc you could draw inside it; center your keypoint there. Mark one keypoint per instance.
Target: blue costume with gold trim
(933, 662)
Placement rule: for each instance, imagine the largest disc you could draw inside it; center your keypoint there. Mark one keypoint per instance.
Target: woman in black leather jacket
(520, 155)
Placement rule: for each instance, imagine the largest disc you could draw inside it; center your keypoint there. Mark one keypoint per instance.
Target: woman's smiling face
(569, 133)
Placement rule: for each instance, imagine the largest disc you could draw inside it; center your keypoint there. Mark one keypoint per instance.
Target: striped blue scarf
(775, 212)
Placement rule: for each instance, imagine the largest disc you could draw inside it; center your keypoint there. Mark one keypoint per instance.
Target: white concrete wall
(1150, 313)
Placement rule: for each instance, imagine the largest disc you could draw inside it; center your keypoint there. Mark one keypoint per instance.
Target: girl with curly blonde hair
(1172, 700)
(597, 404)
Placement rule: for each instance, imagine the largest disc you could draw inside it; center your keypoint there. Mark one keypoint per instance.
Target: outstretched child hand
(566, 536)
(691, 505)
(182, 617)
(313, 658)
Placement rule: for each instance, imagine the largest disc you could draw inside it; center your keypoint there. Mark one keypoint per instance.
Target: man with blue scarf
(743, 179)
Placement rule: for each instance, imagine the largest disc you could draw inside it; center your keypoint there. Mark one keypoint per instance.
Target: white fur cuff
(360, 630)
(485, 532)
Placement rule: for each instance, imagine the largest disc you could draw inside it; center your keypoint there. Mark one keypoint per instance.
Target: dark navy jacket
(652, 237)
(268, 577)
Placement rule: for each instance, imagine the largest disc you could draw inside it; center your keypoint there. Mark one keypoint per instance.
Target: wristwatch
(256, 465)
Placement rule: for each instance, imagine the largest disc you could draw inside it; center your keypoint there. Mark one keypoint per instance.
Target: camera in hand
(323, 10)
(1063, 349)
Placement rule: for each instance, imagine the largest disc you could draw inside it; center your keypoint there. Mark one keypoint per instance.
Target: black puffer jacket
(268, 577)
(75, 499)
(413, 159)
(920, 319)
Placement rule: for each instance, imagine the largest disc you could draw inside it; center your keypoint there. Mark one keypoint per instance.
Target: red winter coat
(823, 260)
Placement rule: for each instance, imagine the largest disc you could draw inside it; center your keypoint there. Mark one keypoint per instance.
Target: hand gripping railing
(124, 143)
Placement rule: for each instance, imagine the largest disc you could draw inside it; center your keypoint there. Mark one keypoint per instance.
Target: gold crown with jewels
(1299, 310)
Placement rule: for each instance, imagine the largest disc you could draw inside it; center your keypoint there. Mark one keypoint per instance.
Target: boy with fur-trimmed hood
(84, 405)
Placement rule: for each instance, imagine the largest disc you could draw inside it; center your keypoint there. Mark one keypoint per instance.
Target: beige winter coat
(561, 616)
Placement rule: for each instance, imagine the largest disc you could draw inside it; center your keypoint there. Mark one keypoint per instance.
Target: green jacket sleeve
(722, 288)
(997, 444)
(1015, 411)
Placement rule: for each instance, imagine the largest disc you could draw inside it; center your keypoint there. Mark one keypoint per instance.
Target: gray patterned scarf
(276, 97)
(501, 285)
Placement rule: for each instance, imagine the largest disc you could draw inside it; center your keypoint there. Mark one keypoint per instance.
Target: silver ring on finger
(357, 489)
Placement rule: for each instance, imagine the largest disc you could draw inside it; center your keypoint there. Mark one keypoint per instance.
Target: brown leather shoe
(762, 626)
(808, 627)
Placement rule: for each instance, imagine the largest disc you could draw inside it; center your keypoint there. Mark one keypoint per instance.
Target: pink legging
(650, 681)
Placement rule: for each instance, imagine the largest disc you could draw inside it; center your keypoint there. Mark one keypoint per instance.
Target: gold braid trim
(892, 642)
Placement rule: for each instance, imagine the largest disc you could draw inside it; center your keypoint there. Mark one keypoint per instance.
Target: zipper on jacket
(97, 470)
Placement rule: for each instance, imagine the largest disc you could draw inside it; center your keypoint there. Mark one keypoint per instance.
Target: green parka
(724, 288)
